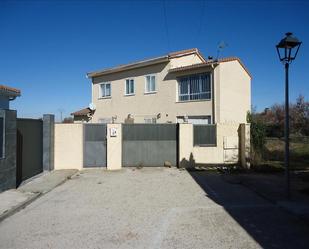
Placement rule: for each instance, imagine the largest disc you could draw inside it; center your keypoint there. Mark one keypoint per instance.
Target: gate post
(114, 146)
(245, 145)
(48, 141)
(185, 143)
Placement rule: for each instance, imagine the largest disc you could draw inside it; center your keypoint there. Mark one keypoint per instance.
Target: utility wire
(166, 27)
(199, 30)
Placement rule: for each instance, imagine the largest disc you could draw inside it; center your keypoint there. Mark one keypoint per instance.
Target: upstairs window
(105, 90)
(150, 86)
(150, 120)
(194, 87)
(130, 87)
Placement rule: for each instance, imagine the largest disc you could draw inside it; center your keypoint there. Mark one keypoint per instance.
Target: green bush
(258, 135)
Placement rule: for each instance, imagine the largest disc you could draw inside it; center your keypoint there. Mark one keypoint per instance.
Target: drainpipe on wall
(213, 92)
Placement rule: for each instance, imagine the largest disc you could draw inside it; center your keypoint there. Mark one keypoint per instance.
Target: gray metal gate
(94, 145)
(149, 144)
(29, 158)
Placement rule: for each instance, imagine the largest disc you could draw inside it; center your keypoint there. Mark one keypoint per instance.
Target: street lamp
(287, 50)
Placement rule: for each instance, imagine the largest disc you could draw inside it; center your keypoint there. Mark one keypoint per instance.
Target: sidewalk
(272, 187)
(11, 201)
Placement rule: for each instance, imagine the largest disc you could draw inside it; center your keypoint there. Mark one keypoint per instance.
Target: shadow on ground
(267, 224)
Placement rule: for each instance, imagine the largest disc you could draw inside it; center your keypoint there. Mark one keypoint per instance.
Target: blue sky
(47, 47)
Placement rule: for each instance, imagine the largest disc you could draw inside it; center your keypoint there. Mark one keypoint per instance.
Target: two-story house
(179, 87)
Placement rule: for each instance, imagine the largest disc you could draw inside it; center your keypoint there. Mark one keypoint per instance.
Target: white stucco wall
(185, 61)
(219, 154)
(231, 88)
(68, 146)
(142, 105)
(233, 92)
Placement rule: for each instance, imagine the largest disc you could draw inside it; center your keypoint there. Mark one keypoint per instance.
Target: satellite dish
(92, 106)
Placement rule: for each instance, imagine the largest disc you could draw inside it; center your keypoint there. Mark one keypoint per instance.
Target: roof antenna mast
(220, 47)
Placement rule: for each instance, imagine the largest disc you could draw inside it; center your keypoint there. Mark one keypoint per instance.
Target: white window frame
(125, 87)
(100, 90)
(155, 90)
(105, 120)
(180, 119)
(199, 99)
(150, 120)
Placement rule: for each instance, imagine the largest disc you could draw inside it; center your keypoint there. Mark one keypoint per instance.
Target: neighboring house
(83, 115)
(179, 87)
(6, 95)
(8, 139)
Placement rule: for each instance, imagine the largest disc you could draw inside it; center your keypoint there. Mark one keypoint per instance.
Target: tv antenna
(61, 110)
(220, 47)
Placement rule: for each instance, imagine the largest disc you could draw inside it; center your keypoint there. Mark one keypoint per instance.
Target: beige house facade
(180, 87)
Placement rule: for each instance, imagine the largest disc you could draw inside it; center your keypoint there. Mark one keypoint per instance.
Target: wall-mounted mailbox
(113, 132)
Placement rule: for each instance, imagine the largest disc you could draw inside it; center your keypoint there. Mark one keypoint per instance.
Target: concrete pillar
(185, 146)
(8, 161)
(114, 146)
(245, 145)
(48, 141)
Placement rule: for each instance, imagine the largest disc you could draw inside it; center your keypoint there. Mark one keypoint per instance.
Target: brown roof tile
(10, 90)
(186, 52)
(181, 52)
(82, 112)
(148, 62)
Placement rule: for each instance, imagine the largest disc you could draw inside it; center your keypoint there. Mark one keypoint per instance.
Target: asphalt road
(151, 208)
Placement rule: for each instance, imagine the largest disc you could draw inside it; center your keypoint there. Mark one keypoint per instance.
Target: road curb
(20, 206)
(31, 199)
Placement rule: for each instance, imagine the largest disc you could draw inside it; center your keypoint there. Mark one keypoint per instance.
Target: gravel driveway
(150, 208)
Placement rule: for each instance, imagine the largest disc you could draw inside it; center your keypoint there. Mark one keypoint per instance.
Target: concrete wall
(233, 146)
(226, 150)
(233, 92)
(68, 152)
(8, 162)
(143, 105)
(69, 147)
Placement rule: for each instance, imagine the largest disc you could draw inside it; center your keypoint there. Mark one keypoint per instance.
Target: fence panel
(205, 135)
(149, 144)
(95, 145)
(30, 152)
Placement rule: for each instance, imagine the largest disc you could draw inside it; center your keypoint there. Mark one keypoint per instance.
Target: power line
(166, 27)
(201, 20)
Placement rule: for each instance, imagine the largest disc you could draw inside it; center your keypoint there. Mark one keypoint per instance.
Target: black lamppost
(287, 50)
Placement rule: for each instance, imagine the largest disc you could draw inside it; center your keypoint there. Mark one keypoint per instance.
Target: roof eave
(9, 93)
(193, 67)
(210, 63)
(129, 66)
(185, 53)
